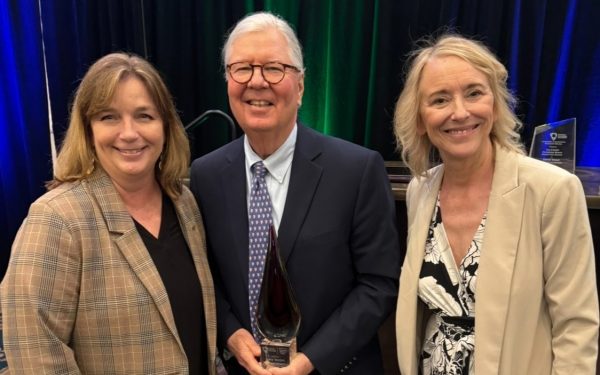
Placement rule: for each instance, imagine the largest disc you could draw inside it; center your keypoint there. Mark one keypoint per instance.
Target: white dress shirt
(279, 165)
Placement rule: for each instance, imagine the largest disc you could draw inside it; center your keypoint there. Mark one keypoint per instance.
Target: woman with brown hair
(108, 273)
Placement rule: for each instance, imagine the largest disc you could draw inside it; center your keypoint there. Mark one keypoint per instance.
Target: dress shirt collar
(279, 162)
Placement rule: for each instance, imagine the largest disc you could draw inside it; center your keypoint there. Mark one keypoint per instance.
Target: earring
(160, 161)
(91, 167)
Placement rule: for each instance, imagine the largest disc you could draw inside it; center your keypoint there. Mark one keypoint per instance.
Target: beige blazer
(536, 303)
(82, 294)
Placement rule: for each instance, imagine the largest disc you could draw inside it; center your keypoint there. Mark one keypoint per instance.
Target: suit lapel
(233, 183)
(130, 244)
(305, 177)
(495, 275)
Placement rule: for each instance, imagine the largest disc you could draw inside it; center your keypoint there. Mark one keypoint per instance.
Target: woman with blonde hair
(499, 274)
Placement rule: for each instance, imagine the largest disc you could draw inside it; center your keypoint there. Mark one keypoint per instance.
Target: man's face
(258, 106)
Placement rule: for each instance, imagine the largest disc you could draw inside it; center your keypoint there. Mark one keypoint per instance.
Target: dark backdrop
(354, 53)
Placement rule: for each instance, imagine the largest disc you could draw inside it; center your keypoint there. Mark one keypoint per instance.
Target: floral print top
(449, 293)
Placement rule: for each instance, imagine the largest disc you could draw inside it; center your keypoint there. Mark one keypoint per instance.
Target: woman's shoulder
(66, 193)
(187, 202)
(67, 205)
(527, 163)
(422, 187)
(542, 178)
(186, 194)
(428, 178)
(541, 173)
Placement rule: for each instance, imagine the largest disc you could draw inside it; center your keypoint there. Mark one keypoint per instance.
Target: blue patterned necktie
(259, 221)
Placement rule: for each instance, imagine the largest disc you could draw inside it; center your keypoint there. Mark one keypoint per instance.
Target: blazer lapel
(498, 254)
(194, 235)
(421, 213)
(420, 210)
(130, 244)
(304, 180)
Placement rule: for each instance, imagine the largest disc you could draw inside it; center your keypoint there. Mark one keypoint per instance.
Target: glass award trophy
(277, 313)
(555, 143)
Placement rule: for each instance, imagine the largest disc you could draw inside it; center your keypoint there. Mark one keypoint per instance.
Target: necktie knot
(259, 170)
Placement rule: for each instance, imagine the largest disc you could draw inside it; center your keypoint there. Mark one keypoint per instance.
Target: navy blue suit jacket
(337, 237)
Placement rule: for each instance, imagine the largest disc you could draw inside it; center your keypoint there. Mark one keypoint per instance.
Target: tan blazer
(536, 303)
(82, 294)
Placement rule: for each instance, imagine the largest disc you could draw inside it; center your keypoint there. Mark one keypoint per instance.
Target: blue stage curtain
(354, 52)
(25, 160)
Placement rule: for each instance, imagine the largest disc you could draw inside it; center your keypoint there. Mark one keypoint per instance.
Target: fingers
(241, 343)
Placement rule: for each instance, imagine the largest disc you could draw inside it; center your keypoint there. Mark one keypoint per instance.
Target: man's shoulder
(219, 156)
(336, 146)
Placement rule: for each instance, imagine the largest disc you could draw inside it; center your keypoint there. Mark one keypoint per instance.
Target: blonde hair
(416, 149)
(76, 159)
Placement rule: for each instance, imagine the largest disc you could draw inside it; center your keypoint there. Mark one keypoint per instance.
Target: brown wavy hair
(76, 158)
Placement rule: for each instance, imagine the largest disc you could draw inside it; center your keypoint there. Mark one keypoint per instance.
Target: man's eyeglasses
(272, 72)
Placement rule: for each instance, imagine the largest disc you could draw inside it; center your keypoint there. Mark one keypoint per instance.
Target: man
(331, 204)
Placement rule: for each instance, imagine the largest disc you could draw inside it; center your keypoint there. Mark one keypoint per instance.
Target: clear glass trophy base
(277, 353)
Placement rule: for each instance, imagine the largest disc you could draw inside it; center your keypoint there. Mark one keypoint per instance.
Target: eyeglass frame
(253, 66)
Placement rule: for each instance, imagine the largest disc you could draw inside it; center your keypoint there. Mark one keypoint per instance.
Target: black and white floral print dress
(449, 293)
